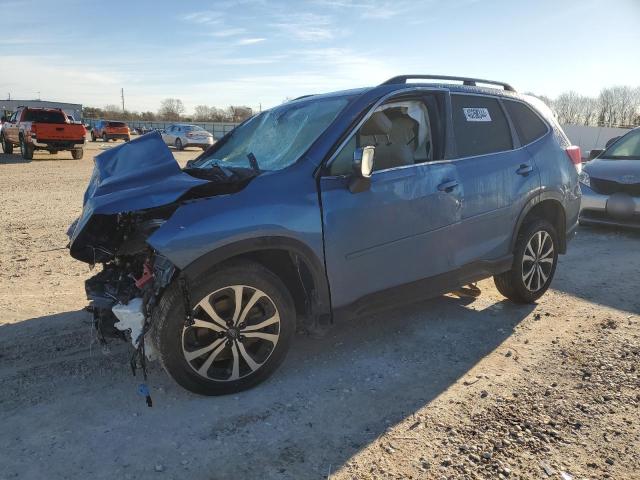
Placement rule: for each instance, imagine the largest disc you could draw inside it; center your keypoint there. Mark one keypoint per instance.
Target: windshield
(627, 148)
(44, 116)
(275, 138)
(194, 128)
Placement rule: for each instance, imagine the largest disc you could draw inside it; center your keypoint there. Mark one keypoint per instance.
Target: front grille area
(608, 187)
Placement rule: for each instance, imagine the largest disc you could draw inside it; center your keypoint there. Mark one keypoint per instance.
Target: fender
(531, 203)
(225, 252)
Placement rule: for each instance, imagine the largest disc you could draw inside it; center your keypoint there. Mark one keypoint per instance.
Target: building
(9, 106)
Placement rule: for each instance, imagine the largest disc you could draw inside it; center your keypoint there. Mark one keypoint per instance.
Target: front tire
(179, 144)
(26, 149)
(244, 321)
(105, 138)
(534, 263)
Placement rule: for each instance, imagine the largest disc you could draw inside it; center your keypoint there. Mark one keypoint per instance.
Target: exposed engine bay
(135, 188)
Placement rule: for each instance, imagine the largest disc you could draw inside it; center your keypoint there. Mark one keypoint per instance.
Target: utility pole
(38, 95)
(122, 95)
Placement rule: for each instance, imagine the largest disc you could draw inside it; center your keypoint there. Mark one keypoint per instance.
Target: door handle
(524, 170)
(448, 186)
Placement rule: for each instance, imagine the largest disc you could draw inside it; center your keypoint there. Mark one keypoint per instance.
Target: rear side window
(480, 125)
(528, 125)
(44, 116)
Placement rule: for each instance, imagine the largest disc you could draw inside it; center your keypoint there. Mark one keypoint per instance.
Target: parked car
(326, 206)
(611, 184)
(110, 130)
(181, 135)
(42, 129)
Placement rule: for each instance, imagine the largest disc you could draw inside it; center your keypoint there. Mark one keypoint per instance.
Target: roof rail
(471, 82)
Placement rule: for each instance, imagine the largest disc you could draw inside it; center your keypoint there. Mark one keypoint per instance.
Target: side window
(528, 125)
(400, 131)
(13, 117)
(479, 125)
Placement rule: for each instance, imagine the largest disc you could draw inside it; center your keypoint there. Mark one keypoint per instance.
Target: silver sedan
(610, 185)
(181, 135)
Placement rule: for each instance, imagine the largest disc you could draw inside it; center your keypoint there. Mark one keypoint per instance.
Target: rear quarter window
(527, 123)
(479, 125)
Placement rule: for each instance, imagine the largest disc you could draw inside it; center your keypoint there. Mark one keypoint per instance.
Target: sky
(260, 53)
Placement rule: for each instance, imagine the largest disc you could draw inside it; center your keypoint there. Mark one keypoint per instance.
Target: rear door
(496, 175)
(398, 230)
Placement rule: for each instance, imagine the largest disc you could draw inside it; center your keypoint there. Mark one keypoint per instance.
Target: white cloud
(307, 27)
(249, 41)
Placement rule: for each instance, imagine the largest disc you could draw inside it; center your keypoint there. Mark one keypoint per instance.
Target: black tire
(179, 145)
(77, 153)
(128, 139)
(7, 147)
(516, 284)
(93, 136)
(104, 137)
(26, 149)
(175, 341)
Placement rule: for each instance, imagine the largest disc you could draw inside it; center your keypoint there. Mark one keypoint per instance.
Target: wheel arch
(292, 261)
(549, 206)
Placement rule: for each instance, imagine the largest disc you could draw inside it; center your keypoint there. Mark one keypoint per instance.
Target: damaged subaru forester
(332, 204)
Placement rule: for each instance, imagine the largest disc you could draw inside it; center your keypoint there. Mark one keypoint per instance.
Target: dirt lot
(447, 388)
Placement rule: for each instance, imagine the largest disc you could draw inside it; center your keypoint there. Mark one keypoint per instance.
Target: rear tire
(77, 153)
(179, 145)
(128, 139)
(26, 149)
(93, 136)
(534, 263)
(234, 356)
(104, 137)
(7, 147)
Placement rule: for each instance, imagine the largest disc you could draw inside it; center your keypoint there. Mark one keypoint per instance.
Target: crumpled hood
(614, 170)
(137, 175)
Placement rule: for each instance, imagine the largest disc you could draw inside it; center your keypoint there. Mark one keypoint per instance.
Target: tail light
(575, 155)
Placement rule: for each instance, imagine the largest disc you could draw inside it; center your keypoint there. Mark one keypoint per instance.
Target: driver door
(397, 231)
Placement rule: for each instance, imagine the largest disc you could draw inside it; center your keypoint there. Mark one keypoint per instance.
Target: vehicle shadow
(12, 158)
(331, 397)
(592, 271)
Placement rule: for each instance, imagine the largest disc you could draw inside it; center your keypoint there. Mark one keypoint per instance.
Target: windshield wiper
(253, 161)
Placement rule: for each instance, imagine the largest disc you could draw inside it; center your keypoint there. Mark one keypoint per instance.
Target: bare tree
(171, 109)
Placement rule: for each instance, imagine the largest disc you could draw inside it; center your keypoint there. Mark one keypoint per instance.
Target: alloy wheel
(537, 261)
(234, 332)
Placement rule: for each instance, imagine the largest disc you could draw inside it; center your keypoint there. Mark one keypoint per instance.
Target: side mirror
(362, 168)
(595, 152)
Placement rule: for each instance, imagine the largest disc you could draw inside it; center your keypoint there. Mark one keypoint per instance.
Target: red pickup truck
(42, 129)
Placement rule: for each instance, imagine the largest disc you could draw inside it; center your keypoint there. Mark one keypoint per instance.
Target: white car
(181, 135)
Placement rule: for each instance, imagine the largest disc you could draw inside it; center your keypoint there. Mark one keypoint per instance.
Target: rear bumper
(595, 210)
(118, 136)
(197, 142)
(58, 144)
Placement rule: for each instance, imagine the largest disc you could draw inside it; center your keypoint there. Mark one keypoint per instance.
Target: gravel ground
(446, 388)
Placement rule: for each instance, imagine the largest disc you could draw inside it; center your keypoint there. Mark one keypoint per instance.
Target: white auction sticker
(477, 114)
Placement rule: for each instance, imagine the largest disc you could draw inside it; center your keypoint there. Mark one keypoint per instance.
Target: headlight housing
(584, 179)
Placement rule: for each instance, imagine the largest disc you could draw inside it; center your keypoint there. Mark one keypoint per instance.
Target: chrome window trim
(446, 160)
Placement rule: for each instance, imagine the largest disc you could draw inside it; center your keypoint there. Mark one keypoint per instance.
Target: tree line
(172, 110)
(613, 107)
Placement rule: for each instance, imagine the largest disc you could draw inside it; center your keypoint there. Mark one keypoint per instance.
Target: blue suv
(326, 206)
